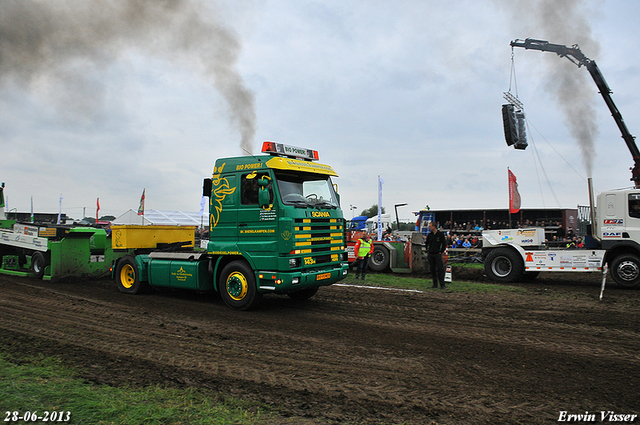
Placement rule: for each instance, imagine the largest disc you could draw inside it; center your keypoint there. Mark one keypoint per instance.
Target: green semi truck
(275, 227)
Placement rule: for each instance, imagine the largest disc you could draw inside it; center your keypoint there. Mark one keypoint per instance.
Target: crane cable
(512, 74)
(513, 79)
(537, 155)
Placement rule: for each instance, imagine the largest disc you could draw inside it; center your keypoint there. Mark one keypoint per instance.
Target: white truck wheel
(625, 270)
(504, 265)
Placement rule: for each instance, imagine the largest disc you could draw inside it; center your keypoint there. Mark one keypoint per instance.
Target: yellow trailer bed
(137, 237)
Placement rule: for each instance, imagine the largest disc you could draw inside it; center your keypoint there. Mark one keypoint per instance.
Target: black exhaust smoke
(62, 46)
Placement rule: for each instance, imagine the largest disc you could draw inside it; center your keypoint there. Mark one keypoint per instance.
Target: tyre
(625, 270)
(379, 260)
(38, 263)
(504, 265)
(238, 286)
(303, 294)
(128, 276)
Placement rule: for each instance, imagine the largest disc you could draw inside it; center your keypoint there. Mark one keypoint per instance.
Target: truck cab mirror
(206, 188)
(264, 196)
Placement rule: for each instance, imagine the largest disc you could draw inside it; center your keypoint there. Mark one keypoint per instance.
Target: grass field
(423, 283)
(38, 385)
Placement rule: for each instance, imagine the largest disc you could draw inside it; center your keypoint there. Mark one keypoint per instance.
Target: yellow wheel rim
(127, 276)
(237, 286)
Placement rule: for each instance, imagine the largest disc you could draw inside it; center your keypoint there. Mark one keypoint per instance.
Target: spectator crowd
(468, 235)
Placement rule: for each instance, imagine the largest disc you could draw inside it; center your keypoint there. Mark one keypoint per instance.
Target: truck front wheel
(238, 286)
(128, 276)
(503, 265)
(625, 270)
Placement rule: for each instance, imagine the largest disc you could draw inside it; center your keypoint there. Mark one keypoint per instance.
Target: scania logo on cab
(320, 214)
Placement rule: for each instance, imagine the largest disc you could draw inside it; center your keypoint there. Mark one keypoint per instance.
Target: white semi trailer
(517, 254)
(614, 238)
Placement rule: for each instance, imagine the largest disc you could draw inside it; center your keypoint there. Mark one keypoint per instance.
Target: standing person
(436, 245)
(363, 250)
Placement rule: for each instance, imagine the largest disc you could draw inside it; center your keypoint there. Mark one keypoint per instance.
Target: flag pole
(60, 210)
(141, 207)
(380, 183)
(514, 196)
(3, 203)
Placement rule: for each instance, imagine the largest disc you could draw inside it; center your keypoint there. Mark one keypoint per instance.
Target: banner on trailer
(514, 195)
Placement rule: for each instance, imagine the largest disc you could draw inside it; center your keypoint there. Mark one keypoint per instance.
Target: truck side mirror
(206, 188)
(264, 197)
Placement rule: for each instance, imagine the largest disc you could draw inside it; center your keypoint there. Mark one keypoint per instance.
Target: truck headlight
(294, 262)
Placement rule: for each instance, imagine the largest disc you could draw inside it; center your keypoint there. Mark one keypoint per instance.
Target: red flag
(141, 207)
(514, 195)
(97, 208)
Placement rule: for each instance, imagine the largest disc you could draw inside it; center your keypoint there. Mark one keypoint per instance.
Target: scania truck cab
(275, 227)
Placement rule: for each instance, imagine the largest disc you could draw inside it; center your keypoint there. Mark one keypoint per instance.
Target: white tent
(132, 217)
(161, 218)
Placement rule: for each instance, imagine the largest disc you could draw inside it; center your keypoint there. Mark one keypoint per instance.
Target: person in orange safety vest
(363, 251)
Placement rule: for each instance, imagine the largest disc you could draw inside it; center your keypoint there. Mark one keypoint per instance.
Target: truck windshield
(306, 190)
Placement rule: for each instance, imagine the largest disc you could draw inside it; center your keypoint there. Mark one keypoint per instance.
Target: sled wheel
(379, 260)
(38, 263)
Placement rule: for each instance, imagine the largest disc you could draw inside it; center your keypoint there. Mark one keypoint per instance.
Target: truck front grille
(323, 238)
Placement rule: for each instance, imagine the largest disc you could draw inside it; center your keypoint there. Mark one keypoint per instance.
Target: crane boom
(575, 55)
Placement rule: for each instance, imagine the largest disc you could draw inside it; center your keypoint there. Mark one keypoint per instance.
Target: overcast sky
(408, 90)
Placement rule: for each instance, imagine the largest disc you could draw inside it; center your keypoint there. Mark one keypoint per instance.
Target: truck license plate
(323, 276)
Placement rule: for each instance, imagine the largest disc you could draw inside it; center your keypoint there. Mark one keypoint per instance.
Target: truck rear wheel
(379, 260)
(38, 263)
(503, 265)
(238, 286)
(128, 276)
(625, 270)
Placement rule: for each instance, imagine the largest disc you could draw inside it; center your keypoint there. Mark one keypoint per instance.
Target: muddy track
(350, 354)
